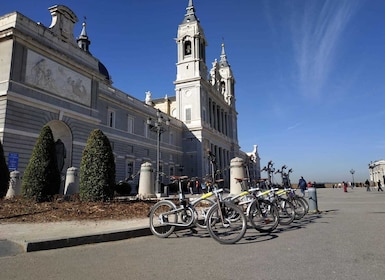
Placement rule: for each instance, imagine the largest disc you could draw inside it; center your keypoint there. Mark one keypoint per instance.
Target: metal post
(352, 172)
(159, 125)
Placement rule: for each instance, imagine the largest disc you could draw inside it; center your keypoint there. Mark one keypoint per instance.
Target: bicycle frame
(184, 207)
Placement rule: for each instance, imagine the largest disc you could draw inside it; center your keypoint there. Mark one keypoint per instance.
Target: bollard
(313, 205)
(237, 170)
(14, 185)
(71, 182)
(146, 182)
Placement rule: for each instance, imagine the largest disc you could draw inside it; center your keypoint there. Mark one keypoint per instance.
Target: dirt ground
(19, 210)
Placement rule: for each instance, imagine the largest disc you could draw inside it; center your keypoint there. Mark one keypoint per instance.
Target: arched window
(187, 48)
(223, 87)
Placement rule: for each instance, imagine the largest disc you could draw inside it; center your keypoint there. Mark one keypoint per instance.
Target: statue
(60, 153)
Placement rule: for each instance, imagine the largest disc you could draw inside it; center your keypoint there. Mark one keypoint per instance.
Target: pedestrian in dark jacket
(302, 185)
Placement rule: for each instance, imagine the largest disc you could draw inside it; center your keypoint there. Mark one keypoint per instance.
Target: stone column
(14, 185)
(313, 204)
(237, 170)
(146, 182)
(72, 181)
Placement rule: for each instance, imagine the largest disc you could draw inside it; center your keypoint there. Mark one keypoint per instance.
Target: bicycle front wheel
(221, 224)
(202, 207)
(300, 208)
(263, 215)
(286, 211)
(161, 215)
(304, 203)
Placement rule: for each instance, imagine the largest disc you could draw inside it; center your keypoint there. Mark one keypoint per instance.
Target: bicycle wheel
(263, 215)
(221, 225)
(305, 203)
(161, 214)
(202, 207)
(300, 209)
(286, 211)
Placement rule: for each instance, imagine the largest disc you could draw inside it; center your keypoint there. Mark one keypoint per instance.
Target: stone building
(377, 172)
(49, 77)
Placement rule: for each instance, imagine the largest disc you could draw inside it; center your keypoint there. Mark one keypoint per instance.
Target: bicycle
(226, 223)
(261, 213)
(293, 193)
(286, 209)
(299, 204)
(165, 215)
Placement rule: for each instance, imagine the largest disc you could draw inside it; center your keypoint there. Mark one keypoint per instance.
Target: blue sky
(309, 73)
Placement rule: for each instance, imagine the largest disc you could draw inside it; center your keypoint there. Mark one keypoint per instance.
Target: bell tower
(204, 103)
(191, 69)
(191, 44)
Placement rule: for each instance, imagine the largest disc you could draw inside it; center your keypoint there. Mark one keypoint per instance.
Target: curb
(39, 245)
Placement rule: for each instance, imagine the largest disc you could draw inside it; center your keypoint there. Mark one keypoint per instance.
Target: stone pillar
(237, 170)
(146, 182)
(72, 181)
(313, 204)
(14, 185)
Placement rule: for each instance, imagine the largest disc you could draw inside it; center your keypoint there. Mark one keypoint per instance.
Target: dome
(103, 70)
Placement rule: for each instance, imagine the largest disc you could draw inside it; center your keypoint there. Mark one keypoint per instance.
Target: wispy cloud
(317, 30)
(294, 126)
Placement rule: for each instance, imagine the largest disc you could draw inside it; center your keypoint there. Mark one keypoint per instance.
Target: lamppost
(159, 125)
(352, 172)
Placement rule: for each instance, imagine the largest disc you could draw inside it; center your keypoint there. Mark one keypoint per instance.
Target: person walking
(302, 185)
(379, 186)
(367, 184)
(345, 185)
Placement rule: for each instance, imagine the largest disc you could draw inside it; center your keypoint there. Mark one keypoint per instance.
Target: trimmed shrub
(41, 178)
(4, 178)
(97, 169)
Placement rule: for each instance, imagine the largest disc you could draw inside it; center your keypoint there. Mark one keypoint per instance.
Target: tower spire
(223, 61)
(83, 41)
(190, 13)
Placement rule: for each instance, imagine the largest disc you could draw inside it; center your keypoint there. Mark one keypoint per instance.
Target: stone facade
(377, 172)
(49, 77)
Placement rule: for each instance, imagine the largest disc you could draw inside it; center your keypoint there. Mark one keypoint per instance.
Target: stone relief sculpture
(77, 88)
(42, 75)
(51, 76)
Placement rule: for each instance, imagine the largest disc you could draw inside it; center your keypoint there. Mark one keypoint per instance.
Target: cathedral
(49, 77)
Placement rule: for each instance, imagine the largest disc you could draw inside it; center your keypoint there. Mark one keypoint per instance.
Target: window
(173, 112)
(188, 115)
(187, 48)
(204, 114)
(146, 152)
(130, 149)
(111, 118)
(172, 141)
(130, 124)
(145, 129)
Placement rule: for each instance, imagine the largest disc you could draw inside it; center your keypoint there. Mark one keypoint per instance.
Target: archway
(62, 134)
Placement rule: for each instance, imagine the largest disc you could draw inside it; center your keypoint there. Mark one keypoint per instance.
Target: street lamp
(159, 125)
(352, 172)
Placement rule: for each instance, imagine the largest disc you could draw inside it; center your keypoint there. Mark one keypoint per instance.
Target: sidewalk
(25, 237)
(45, 236)
(29, 237)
